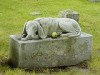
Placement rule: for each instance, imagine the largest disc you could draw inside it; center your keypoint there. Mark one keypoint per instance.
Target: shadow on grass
(6, 62)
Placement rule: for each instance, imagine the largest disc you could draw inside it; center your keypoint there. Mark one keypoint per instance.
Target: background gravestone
(69, 14)
(94, 0)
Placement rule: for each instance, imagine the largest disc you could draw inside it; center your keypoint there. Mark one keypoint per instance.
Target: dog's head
(37, 30)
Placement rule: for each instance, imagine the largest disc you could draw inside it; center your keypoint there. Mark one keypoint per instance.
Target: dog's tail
(71, 34)
(74, 34)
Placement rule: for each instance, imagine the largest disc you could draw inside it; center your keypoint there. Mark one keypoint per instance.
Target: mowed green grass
(14, 13)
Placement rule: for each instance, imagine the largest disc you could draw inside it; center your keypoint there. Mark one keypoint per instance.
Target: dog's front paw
(23, 39)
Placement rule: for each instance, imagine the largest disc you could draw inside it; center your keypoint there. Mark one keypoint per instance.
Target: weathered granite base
(50, 52)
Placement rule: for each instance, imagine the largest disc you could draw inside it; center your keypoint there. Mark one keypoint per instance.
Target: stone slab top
(15, 37)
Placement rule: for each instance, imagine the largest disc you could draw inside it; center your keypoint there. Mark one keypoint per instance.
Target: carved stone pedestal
(61, 51)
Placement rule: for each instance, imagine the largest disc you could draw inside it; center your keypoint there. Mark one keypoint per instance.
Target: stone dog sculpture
(44, 27)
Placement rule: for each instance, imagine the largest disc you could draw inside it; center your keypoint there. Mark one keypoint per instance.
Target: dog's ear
(24, 29)
(41, 32)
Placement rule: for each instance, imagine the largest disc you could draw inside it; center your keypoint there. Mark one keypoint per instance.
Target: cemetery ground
(14, 13)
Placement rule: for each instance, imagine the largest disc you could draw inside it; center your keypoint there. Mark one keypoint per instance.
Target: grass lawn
(14, 13)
